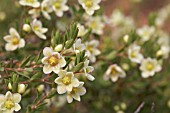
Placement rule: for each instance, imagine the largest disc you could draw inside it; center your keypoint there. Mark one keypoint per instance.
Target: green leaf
(78, 67)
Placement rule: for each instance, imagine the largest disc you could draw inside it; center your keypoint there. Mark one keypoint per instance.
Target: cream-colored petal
(40, 35)
(8, 95)
(69, 98)
(17, 107)
(47, 69)
(47, 51)
(16, 97)
(82, 91)
(90, 77)
(13, 32)
(21, 43)
(2, 98)
(76, 96)
(62, 73)
(43, 30)
(44, 60)
(56, 69)
(75, 82)
(114, 78)
(10, 47)
(61, 89)
(69, 87)
(58, 80)
(62, 62)
(8, 38)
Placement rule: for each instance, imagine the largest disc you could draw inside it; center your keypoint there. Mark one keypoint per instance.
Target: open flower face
(46, 8)
(96, 24)
(13, 40)
(59, 6)
(114, 72)
(82, 30)
(76, 93)
(134, 54)
(9, 102)
(38, 29)
(66, 81)
(92, 50)
(78, 46)
(90, 5)
(52, 61)
(146, 32)
(87, 70)
(149, 67)
(31, 3)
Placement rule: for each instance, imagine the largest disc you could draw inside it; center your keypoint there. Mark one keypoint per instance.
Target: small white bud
(40, 88)
(123, 106)
(21, 88)
(26, 28)
(125, 66)
(58, 48)
(126, 38)
(9, 86)
(159, 53)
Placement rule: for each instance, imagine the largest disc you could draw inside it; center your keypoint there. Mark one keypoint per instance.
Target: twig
(140, 107)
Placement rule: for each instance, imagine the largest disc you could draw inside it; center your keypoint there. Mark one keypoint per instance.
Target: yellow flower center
(9, 104)
(53, 60)
(89, 3)
(93, 25)
(36, 28)
(66, 80)
(114, 71)
(150, 66)
(15, 40)
(30, 1)
(90, 48)
(133, 54)
(57, 5)
(74, 90)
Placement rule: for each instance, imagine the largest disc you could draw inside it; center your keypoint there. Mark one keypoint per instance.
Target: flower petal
(47, 69)
(75, 82)
(47, 51)
(76, 96)
(61, 89)
(8, 95)
(21, 43)
(10, 47)
(2, 98)
(69, 98)
(16, 97)
(56, 69)
(90, 77)
(17, 107)
(62, 62)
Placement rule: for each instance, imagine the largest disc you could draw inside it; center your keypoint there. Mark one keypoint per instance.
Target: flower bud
(21, 88)
(40, 88)
(26, 28)
(126, 38)
(9, 86)
(58, 48)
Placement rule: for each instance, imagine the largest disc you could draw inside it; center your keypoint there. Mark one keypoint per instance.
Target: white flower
(46, 8)
(163, 52)
(76, 93)
(134, 53)
(35, 13)
(92, 50)
(149, 67)
(118, 19)
(13, 40)
(31, 3)
(96, 24)
(52, 61)
(78, 46)
(87, 70)
(66, 81)
(146, 32)
(38, 29)
(114, 72)
(9, 102)
(59, 6)
(90, 5)
(82, 30)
